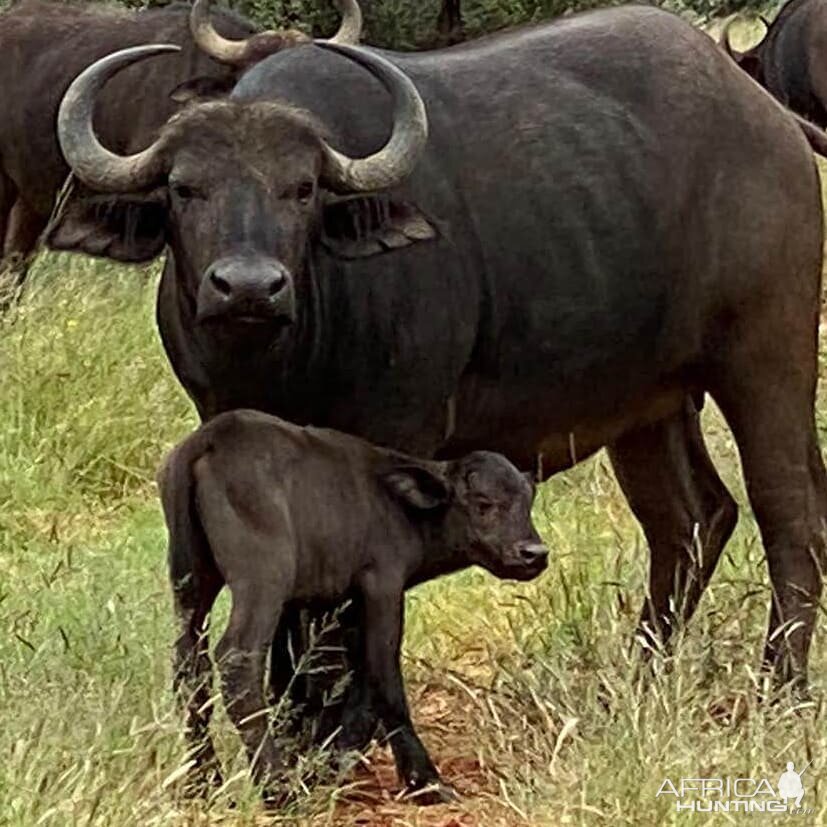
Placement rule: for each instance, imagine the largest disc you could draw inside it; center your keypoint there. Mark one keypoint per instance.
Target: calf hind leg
(686, 513)
(192, 674)
(241, 654)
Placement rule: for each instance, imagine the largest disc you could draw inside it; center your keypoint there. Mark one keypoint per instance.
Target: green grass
(506, 679)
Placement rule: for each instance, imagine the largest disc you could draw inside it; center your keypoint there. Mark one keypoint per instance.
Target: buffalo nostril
(220, 284)
(276, 286)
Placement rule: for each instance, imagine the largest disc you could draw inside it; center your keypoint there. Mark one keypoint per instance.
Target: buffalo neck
(350, 360)
(439, 557)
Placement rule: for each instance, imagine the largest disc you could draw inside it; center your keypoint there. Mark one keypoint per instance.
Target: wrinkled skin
(791, 59)
(289, 516)
(35, 73)
(600, 262)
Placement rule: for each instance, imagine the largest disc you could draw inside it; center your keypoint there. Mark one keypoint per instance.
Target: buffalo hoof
(275, 798)
(437, 793)
(203, 781)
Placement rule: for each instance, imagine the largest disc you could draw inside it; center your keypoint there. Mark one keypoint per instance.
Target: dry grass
(506, 680)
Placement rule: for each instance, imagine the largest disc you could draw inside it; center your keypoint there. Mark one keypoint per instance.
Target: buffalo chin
(272, 321)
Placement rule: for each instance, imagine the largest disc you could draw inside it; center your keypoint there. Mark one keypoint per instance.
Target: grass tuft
(526, 694)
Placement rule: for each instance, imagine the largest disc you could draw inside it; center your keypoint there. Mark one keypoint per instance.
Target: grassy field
(505, 679)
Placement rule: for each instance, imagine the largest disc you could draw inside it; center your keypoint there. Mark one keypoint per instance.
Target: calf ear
(417, 486)
(130, 228)
(202, 88)
(359, 226)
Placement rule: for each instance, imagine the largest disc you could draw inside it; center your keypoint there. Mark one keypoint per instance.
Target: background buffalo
(791, 59)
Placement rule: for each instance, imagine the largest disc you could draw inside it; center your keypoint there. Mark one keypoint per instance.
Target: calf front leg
(383, 624)
(241, 655)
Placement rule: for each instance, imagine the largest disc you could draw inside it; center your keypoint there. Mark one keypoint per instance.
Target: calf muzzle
(246, 289)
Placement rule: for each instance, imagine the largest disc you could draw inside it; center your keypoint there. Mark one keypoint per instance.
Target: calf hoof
(436, 793)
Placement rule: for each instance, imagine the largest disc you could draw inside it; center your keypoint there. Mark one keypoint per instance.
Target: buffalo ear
(417, 486)
(128, 228)
(359, 226)
(202, 88)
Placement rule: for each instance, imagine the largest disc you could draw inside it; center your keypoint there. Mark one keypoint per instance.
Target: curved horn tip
(366, 57)
(724, 42)
(231, 52)
(350, 29)
(397, 159)
(93, 164)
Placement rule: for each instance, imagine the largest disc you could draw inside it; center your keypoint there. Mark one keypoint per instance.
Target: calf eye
(483, 506)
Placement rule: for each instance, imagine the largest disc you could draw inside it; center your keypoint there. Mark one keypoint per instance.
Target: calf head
(479, 507)
(239, 191)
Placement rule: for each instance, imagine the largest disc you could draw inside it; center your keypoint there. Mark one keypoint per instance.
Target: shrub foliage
(410, 24)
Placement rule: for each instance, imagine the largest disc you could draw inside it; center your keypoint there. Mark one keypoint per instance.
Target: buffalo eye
(184, 191)
(483, 506)
(304, 191)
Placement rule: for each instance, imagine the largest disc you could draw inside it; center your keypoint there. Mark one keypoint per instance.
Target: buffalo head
(239, 191)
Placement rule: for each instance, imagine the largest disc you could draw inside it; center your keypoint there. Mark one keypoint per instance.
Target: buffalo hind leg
(766, 391)
(685, 511)
(241, 655)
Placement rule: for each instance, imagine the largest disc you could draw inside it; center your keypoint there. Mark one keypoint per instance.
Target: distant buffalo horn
(93, 164)
(724, 42)
(244, 52)
(396, 160)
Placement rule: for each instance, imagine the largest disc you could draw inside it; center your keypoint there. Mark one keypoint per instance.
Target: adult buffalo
(791, 59)
(45, 45)
(571, 264)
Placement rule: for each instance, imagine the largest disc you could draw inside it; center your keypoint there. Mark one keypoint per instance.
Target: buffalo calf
(289, 515)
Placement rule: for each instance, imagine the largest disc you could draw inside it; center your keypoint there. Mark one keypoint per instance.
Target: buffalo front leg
(685, 511)
(8, 194)
(241, 654)
(383, 624)
(23, 229)
(449, 22)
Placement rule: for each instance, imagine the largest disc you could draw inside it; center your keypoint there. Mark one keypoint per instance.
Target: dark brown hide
(287, 516)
